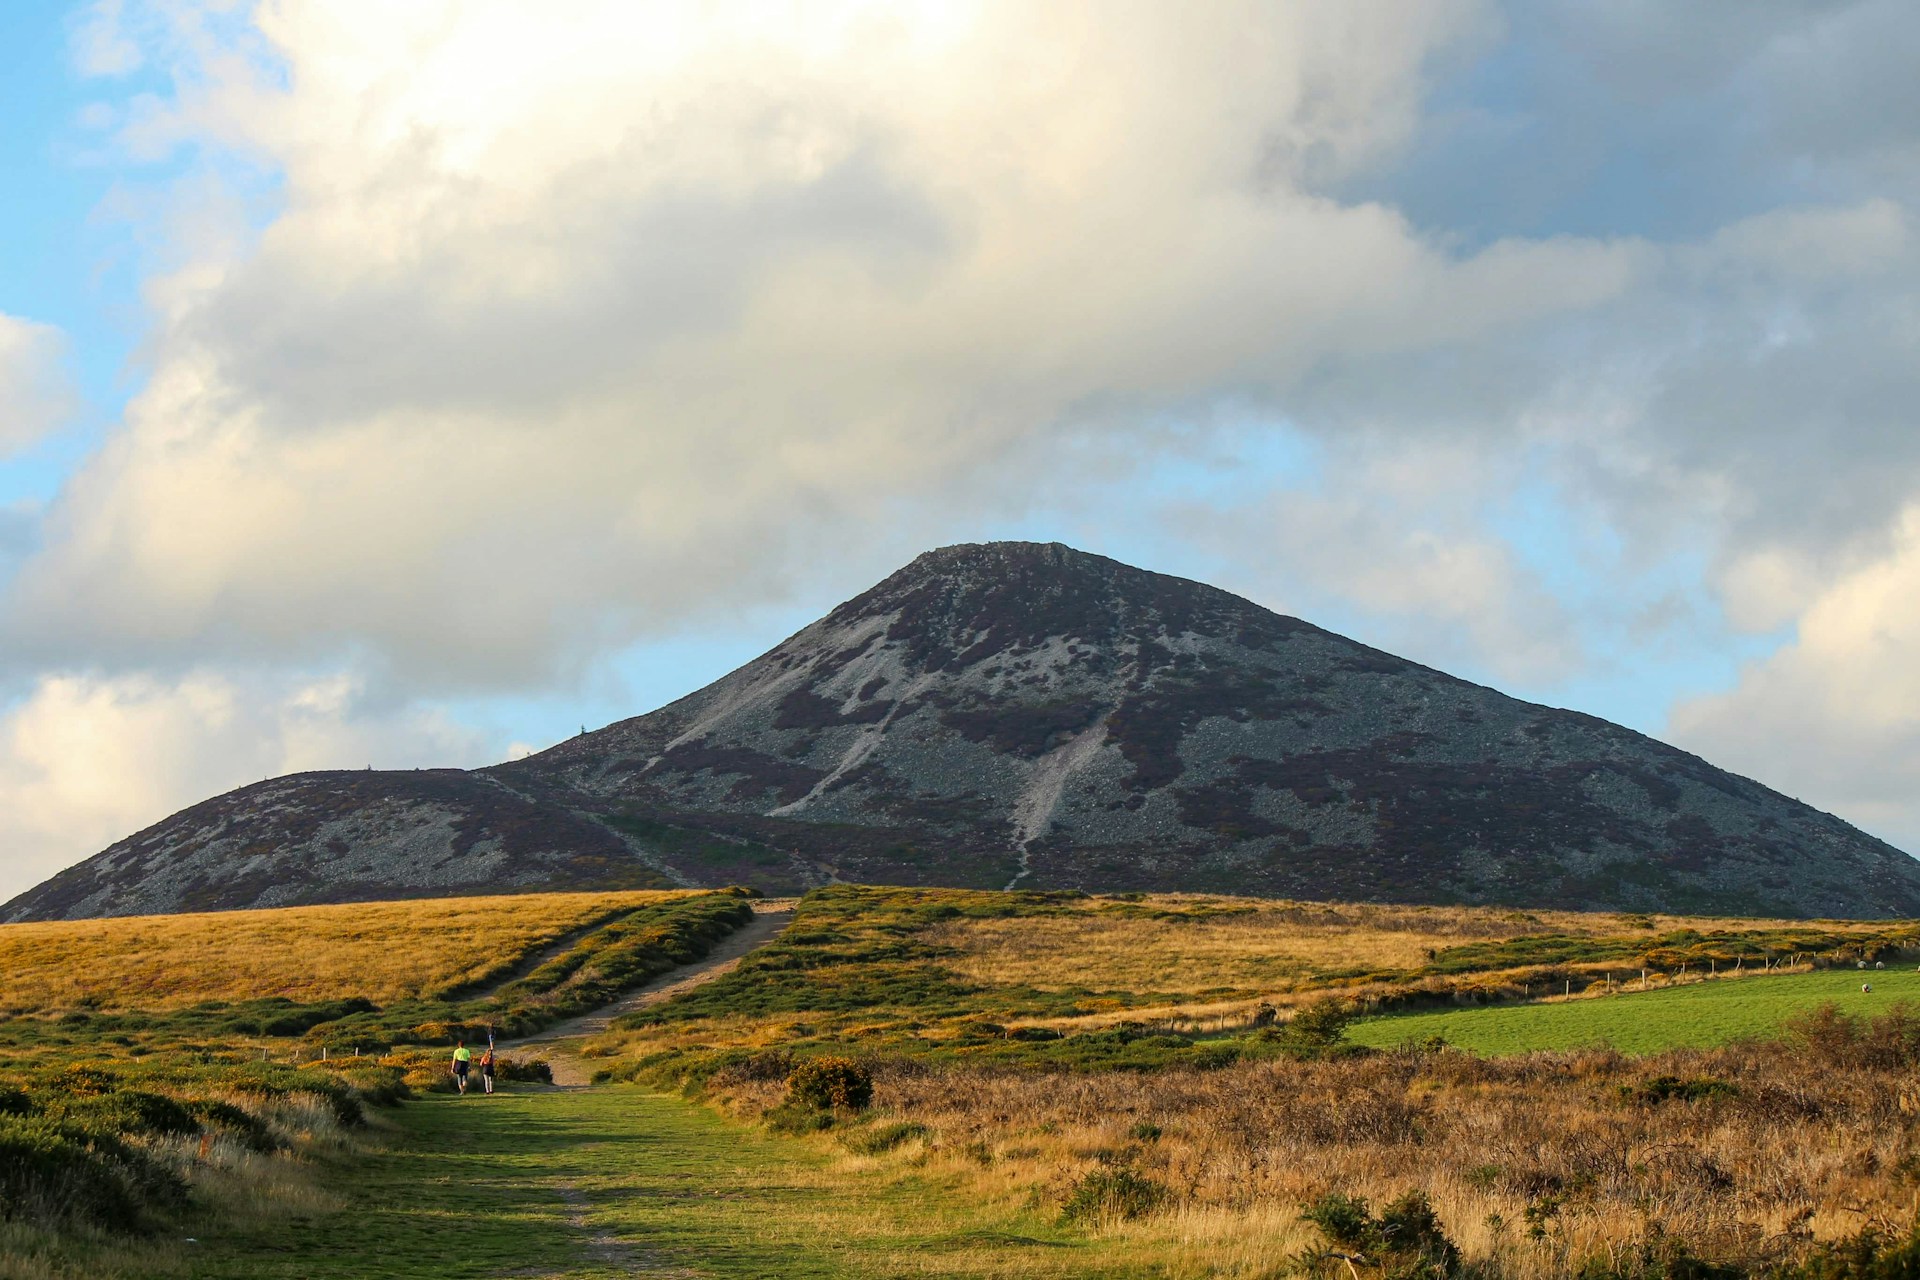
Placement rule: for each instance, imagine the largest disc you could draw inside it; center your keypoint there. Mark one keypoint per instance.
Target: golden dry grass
(1189, 944)
(1804, 1147)
(381, 950)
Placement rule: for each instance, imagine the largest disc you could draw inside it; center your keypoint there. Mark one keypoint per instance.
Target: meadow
(1069, 979)
(121, 1124)
(1191, 1078)
(381, 951)
(1698, 1015)
(1021, 1084)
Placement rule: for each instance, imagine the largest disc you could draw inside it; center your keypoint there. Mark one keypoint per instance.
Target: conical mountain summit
(1032, 715)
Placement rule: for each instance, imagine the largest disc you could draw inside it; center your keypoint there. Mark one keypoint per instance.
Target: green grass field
(1700, 1015)
(602, 1182)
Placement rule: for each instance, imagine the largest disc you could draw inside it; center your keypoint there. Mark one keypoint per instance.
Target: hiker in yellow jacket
(462, 1063)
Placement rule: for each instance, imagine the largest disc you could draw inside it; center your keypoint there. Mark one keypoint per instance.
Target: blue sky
(59, 266)
(439, 380)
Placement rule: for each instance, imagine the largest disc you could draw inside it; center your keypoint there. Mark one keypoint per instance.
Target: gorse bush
(838, 1084)
(51, 1174)
(1317, 1031)
(1108, 1194)
(881, 1139)
(1870, 1255)
(1673, 1088)
(1404, 1242)
(83, 1146)
(531, 1070)
(1658, 1257)
(132, 1112)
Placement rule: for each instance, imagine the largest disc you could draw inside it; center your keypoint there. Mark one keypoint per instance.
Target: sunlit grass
(1693, 1016)
(381, 950)
(1188, 944)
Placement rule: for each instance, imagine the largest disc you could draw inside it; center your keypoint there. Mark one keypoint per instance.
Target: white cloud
(86, 760)
(1834, 717)
(35, 397)
(573, 326)
(1395, 540)
(101, 43)
(570, 325)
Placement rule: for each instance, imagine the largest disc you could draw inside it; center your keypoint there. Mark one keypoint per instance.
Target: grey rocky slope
(1019, 714)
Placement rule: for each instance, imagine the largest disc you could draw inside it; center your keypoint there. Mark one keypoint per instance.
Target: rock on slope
(1013, 713)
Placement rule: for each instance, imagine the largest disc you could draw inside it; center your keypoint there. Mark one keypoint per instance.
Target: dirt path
(770, 916)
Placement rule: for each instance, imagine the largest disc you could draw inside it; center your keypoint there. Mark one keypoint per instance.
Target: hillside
(382, 951)
(1024, 714)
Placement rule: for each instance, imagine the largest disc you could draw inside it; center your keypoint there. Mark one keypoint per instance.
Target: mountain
(1031, 715)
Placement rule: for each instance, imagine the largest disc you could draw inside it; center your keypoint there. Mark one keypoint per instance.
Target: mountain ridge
(1029, 714)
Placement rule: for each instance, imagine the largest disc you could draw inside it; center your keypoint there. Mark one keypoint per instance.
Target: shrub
(1665, 1088)
(1890, 1042)
(1324, 1022)
(883, 1138)
(1660, 1257)
(1317, 1031)
(1108, 1194)
(51, 1174)
(536, 1070)
(1870, 1255)
(1404, 1241)
(130, 1111)
(251, 1130)
(767, 1064)
(83, 1081)
(791, 1117)
(831, 1083)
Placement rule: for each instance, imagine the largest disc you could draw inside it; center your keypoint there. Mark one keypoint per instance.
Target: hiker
(462, 1062)
(486, 1069)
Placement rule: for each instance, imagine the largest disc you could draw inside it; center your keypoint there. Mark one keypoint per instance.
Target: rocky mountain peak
(964, 604)
(1027, 714)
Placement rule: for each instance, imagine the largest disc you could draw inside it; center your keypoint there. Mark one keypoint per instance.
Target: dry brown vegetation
(1214, 958)
(1537, 1165)
(381, 950)
(1190, 943)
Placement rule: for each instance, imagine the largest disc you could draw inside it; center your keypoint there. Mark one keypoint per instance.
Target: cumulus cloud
(35, 396)
(568, 327)
(1835, 715)
(572, 325)
(85, 760)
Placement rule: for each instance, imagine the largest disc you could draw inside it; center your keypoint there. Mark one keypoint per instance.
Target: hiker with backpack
(486, 1069)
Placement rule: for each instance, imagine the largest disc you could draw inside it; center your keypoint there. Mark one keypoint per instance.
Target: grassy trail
(1701, 1014)
(770, 917)
(612, 1181)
